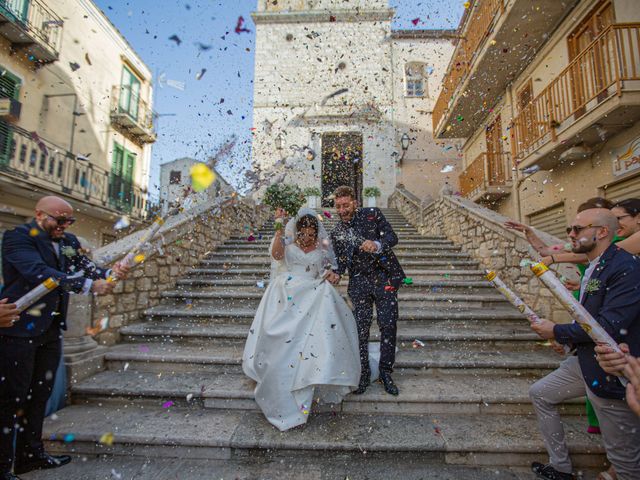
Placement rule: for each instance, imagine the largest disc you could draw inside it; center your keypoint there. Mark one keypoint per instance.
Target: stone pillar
(82, 355)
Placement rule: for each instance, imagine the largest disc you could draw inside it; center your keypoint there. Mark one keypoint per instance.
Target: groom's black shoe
(389, 386)
(365, 380)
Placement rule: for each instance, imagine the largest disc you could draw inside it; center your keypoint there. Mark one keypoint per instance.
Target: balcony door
(121, 178)
(341, 164)
(129, 93)
(496, 165)
(588, 73)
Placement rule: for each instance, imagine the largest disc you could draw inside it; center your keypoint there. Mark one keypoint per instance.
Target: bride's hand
(280, 213)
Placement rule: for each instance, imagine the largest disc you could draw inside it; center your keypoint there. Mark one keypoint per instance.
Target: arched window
(416, 74)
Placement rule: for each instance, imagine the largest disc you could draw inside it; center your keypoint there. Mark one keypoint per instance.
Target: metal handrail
(40, 21)
(144, 116)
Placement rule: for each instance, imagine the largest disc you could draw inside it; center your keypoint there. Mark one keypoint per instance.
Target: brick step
(503, 356)
(188, 333)
(419, 394)
(178, 432)
(245, 315)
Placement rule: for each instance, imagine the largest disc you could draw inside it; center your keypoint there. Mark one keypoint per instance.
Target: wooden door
(341, 164)
(529, 126)
(588, 77)
(496, 166)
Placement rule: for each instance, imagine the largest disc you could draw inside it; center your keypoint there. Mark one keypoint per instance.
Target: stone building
(546, 96)
(75, 116)
(341, 98)
(175, 176)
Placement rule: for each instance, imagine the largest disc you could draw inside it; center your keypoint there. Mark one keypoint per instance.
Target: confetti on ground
(260, 284)
(69, 437)
(168, 404)
(201, 177)
(189, 397)
(144, 348)
(102, 325)
(408, 281)
(107, 439)
(417, 344)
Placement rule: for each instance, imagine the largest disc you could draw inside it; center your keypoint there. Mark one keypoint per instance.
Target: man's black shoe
(547, 472)
(8, 476)
(365, 380)
(42, 462)
(389, 386)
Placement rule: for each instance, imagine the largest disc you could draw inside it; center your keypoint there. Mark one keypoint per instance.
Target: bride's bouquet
(288, 197)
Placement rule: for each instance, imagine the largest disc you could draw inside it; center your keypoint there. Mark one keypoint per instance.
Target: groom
(363, 240)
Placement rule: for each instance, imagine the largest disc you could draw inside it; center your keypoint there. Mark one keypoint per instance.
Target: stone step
(418, 315)
(502, 356)
(230, 255)
(179, 432)
(254, 248)
(186, 333)
(410, 298)
(265, 262)
(419, 394)
(414, 237)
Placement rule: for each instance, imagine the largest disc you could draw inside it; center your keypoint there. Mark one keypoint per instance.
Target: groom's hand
(369, 246)
(333, 278)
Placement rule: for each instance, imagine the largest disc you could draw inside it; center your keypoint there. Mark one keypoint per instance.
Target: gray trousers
(620, 427)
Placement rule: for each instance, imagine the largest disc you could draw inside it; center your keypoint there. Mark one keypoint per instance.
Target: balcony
(31, 27)
(132, 115)
(29, 162)
(594, 97)
(499, 39)
(487, 178)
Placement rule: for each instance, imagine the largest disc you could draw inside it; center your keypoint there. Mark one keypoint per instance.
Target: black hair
(595, 202)
(307, 221)
(630, 205)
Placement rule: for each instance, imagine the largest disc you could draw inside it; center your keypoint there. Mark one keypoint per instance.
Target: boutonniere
(68, 251)
(593, 285)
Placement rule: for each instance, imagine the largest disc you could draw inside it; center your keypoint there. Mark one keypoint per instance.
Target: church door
(341, 164)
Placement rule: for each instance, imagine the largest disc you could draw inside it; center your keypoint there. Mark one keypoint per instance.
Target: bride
(303, 343)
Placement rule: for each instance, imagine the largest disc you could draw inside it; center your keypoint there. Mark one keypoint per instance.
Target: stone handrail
(481, 233)
(179, 245)
(409, 205)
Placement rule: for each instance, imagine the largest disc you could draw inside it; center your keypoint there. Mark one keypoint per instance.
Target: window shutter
(551, 220)
(629, 188)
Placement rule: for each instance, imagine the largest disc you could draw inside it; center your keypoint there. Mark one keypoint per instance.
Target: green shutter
(9, 88)
(129, 93)
(121, 181)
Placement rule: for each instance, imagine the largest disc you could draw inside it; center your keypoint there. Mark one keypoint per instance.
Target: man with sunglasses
(610, 292)
(31, 347)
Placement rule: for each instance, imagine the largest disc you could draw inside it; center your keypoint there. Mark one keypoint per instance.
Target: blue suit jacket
(614, 302)
(28, 259)
(367, 224)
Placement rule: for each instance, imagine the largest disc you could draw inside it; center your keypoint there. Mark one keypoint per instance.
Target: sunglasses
(61, 221)
(577, 228)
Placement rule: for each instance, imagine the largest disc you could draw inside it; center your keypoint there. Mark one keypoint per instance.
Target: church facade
(341, 98)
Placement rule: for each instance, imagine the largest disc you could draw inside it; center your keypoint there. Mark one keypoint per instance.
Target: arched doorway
(341, 164)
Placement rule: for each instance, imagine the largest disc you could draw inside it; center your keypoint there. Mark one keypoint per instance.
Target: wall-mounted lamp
(278, 142)
(404, 143)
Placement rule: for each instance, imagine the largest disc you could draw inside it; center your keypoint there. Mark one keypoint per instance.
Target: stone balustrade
(480, 232)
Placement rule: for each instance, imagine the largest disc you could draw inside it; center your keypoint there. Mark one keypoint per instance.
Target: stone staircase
(174, 386)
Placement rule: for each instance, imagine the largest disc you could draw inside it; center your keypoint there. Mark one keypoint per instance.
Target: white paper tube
(576, 310)
(36, 294)
(522, 307)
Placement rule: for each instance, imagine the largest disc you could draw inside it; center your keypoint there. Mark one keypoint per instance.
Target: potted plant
(288, 197)
(371, 193)
(312, 194)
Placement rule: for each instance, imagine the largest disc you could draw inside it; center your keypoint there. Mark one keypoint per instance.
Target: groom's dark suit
(373, 278)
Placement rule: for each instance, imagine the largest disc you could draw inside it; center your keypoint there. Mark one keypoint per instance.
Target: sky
(216, 65)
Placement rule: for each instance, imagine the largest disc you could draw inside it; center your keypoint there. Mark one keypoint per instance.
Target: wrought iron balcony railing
(28, 158)
(132, 114)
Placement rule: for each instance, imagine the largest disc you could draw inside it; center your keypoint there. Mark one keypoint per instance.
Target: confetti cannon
(36, 294)
(522, 307)
(580, 314)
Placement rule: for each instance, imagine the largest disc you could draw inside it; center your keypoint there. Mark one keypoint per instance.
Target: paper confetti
(139, 258)
(69, 437)
(417, 344)
(123, 222)
(201, 177)
(37, 310)
(168, 404)
(107, 439)
(34, 232)
(408, 281)
(447, 169)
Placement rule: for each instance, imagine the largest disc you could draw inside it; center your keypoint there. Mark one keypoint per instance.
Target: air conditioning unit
(579, 152)
(10, 109)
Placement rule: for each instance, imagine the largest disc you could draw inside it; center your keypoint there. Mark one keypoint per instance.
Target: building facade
(546, 96)
(335, 92)
(75, 116)
(175, 179)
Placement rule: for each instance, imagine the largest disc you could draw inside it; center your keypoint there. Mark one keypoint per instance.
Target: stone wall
(180, 244)
(480, 233)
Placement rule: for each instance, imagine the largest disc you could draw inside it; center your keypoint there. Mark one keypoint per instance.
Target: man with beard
(611, 294)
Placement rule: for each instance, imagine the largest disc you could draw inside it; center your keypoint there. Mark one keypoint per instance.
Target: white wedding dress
(303, 343)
